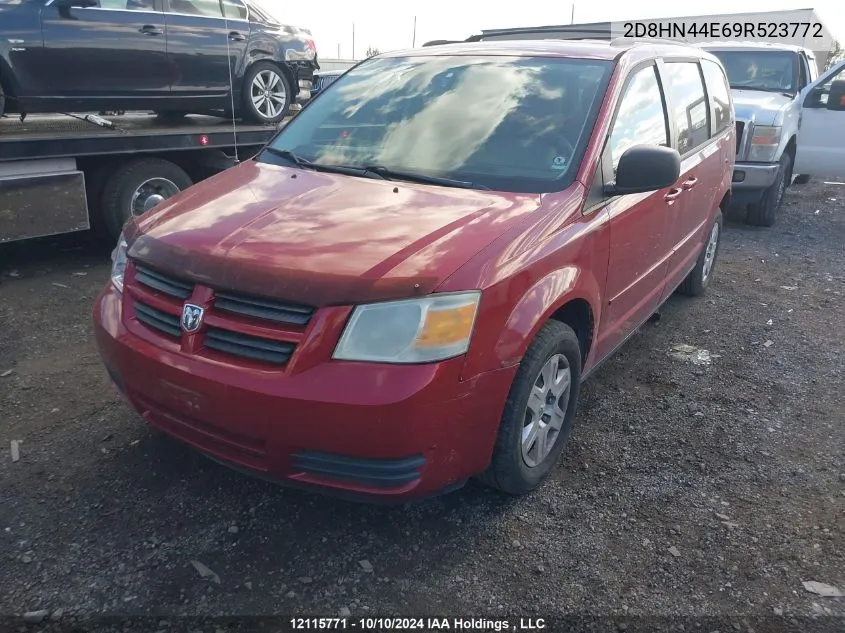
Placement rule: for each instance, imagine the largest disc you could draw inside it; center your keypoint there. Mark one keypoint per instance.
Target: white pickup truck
(789, 122)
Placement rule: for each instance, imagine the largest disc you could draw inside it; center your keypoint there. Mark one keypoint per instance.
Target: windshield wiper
(395, 174)
(293, 157)
(762, 89)
(304, 163)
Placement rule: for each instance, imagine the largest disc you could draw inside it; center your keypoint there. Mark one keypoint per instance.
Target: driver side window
(641, 118)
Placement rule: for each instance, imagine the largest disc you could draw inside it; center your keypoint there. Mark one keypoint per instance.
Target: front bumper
(754, 176)
(389, 432)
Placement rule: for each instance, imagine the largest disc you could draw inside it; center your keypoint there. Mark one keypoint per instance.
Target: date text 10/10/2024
(417, 624)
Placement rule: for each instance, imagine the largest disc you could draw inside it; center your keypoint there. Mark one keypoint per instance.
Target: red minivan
(406, 287)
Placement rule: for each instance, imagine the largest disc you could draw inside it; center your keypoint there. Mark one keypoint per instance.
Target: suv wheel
(764, 213)
(699, 278)
(539, 412)
(267, 93)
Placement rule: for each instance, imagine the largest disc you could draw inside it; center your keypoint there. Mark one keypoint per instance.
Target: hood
(318, 238)
(761, 107)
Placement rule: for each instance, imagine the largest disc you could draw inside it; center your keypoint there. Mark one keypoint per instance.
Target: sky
(389, 25)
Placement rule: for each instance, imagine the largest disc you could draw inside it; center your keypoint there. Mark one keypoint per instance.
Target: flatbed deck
(60, 136)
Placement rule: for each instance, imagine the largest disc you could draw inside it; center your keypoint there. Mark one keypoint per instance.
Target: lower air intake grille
(246, 345)
(158, 320)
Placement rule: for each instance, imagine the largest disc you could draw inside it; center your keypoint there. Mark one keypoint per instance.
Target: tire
(698, 280)
(158, 177)
(2, 100)
(511, 471)
(764, 212)
(801, 179)
(263, 72)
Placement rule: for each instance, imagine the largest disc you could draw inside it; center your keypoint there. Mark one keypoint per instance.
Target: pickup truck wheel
(539, 412)
(267, 93)
(699, 278)
(764, 213)
(136, 187)
(801, 179)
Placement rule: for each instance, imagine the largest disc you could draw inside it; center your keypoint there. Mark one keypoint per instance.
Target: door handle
(236, 37)
(689, 184)
(149, 29)
(673, 195)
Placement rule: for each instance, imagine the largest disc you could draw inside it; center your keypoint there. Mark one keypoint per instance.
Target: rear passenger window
(686, 94)
(641, 118)
(234, 9)
(717, 89)
(205, 8)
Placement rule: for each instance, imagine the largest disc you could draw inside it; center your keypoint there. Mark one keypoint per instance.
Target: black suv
(168, 56)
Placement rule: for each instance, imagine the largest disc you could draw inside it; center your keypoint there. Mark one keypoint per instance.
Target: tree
(372, 51)
(837, 54)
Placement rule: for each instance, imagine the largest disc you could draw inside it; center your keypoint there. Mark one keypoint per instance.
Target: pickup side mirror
(836, 96)
(644, 168)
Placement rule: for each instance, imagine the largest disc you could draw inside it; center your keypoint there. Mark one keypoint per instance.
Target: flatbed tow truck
(66, 173)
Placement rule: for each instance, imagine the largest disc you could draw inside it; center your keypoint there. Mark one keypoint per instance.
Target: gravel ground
(687, 490)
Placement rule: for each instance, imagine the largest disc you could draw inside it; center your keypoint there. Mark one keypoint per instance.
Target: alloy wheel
(546, 410)
(268, 94)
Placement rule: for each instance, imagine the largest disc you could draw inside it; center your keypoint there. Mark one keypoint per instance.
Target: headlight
(764, 143)
(118, 267)
(410, 331)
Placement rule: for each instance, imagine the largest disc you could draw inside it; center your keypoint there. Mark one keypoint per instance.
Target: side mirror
(836, 97)
(644, 168)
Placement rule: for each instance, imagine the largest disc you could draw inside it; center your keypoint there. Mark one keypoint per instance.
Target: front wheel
(539, 412)
(267, 94)
(764, 212)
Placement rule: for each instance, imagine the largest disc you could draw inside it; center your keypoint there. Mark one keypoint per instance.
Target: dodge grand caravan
(407, 286)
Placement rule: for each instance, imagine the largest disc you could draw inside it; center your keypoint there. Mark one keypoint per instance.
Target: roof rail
(631, 41)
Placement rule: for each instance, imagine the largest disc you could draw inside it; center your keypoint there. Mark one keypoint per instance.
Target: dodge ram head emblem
(191, 317)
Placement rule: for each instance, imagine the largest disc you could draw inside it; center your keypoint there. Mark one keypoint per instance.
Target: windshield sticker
(559, 163)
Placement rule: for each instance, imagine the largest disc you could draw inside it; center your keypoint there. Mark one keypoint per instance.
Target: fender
(540, 303)
(521, 322)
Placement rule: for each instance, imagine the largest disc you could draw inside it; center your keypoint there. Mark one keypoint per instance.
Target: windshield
(759, 70)
(504, 123)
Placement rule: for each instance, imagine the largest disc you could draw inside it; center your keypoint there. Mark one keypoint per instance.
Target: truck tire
(764, 212)
(267, 94)
(801, 179)
(2, 100)
(699, 278)
(137, 185)
(518, 466)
